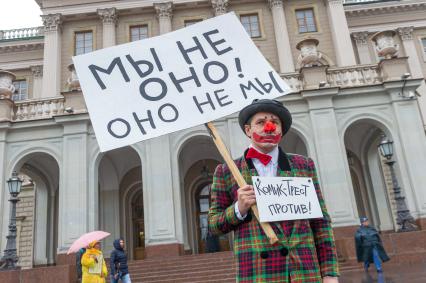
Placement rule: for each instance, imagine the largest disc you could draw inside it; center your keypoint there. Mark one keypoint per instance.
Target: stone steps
(213, 267)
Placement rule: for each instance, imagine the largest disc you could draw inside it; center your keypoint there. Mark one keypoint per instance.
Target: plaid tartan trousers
(305, 251)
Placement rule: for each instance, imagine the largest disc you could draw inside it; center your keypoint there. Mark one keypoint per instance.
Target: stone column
(345, 55)
(37, 72)
(109, 21)
(409, 147)
(160, 225)
(361, 40)
(164, 13)
(4, 191)
(73, 192)
(336, 183)
(285, 57)
(52, 55)
(414, 62)
(220, 7)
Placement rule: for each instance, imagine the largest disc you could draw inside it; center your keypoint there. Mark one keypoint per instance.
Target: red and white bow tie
(253, 153)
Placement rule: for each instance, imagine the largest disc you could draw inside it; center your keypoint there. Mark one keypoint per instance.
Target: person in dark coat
(369, 246)
(78, 256)
(118, 263)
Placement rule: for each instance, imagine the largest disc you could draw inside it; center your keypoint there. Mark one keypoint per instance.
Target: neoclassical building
(357, 71)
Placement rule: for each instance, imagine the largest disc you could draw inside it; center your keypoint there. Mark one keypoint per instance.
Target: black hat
(266, 105)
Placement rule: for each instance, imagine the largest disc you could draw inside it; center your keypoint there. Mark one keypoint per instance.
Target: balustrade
(353, 76)
(23, 33)
(33, 109)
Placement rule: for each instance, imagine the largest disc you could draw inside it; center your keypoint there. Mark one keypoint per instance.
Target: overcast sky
(19, 14)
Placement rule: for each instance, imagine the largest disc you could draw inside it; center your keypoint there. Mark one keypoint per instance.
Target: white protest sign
(286, 198)
(167, 83)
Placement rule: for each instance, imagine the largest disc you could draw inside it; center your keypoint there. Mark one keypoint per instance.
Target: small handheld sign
(286, 198)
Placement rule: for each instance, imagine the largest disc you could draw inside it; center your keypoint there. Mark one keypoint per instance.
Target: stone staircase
(212, 267)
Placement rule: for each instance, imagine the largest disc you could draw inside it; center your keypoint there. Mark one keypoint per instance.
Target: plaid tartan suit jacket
(305, 251)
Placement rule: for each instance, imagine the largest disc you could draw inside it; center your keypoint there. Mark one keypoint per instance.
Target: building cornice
(21, 64)
(92, 8)
(21, 45)
(388, 26)
(380, 8)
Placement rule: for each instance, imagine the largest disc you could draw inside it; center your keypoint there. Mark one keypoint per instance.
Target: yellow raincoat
(93, 272)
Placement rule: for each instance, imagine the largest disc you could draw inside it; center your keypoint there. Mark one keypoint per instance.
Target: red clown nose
(269, 127)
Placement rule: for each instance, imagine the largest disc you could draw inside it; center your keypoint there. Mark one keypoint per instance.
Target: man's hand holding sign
(189, 77)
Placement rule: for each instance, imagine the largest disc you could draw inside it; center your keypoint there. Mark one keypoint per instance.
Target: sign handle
(239, 178)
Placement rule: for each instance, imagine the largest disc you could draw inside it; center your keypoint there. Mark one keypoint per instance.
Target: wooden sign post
(239, 178)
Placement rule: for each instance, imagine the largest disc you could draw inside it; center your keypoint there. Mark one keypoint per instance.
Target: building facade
(357, 71)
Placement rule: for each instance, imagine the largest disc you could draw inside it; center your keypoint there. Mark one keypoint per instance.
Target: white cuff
(238, 214)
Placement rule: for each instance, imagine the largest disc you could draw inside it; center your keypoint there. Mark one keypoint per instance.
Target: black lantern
(386, 148)
(15, 184)
(10, 257)
(403, 215)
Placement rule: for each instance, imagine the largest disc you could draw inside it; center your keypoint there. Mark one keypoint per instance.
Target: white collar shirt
(270, 169)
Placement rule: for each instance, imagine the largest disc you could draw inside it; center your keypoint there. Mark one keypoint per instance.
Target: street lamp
(10, 257)
(403, 216)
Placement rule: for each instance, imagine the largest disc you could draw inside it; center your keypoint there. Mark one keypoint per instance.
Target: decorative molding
(52, 22)
(164, 10)
(275, 4)
(21, 64)
(361, 38)
(335, 2)
(220, 6)
(108, 15)
(372, 28)
(382, 8)
(37, 71)
(20, 46)
(406, 33)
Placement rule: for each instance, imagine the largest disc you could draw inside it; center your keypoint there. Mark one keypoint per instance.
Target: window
(306, 20)
(251, 24)
(188, 23)
(138, 32)
(83, 42)
(21, 90)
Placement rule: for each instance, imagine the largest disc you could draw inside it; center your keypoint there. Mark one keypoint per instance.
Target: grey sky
(19, 14)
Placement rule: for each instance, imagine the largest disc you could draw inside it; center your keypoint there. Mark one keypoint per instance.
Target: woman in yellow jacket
(93, 264)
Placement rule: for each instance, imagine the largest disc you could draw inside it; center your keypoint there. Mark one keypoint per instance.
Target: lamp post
(10, 257)
(403, 216)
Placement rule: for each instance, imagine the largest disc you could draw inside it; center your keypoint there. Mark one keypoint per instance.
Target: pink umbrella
(86, 239)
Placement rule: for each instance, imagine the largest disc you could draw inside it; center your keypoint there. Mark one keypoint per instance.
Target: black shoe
(379, 271)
